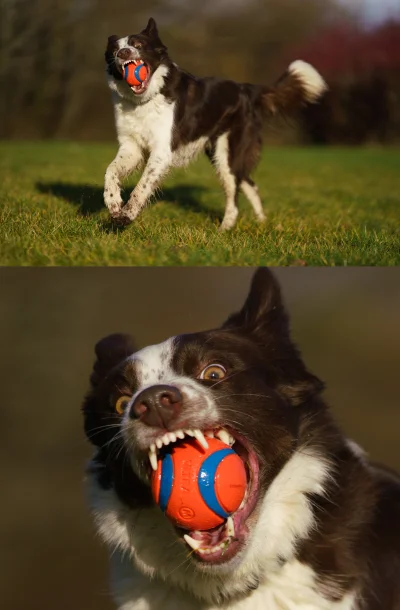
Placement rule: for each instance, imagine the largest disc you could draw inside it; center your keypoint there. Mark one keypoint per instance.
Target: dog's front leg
(157, 166)
(128, 158)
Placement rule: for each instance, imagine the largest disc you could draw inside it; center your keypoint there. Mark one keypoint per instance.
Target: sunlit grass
(324, 207)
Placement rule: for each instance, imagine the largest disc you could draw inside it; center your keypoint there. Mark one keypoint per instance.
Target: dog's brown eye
(138, 45)
(213, 372)
(121, 404)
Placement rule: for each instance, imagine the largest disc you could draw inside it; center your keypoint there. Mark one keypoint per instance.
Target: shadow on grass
(89, 199)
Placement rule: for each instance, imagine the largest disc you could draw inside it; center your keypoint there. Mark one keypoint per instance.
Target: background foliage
(52, 69)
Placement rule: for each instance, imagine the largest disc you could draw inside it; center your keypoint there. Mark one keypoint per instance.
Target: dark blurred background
(52, 80)
(346, 321)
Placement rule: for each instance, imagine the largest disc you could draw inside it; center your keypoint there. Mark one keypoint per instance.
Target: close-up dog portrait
(200, 439)
(317, 524)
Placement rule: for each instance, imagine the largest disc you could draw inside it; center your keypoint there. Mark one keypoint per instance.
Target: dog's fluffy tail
(301, 84)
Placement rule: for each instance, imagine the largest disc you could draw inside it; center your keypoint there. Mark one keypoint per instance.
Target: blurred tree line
(52, 79)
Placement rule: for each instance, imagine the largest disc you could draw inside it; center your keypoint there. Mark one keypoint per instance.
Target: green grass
(324, 207)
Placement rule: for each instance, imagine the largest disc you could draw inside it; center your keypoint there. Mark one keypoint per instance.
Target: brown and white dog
(174, 115)
(319, 527)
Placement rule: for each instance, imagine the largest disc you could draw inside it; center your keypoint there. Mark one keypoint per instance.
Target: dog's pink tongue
(208, 537)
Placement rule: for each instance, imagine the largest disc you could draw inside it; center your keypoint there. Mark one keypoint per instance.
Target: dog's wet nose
(124, 53)
(157, 406)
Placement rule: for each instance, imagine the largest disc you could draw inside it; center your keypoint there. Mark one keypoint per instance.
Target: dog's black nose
(157, 406)
(124, 53)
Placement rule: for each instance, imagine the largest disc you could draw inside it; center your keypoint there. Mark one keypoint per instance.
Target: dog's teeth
(180, 434)
(209, 433)
(244, 499)
(165, 439)
(223, 436)
(194, 544)
(230, 527)
(172, 437)
(159, 443)
(153, 459)
(189, 432)
(199, 436)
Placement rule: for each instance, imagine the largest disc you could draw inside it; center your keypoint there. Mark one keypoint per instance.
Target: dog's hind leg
(128, 158)
(250, 190)
(220, 159)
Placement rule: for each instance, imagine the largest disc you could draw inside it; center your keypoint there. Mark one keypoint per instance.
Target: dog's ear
(113, 38)
(111, 46)
(151, 29)
(110, 351)
(263, 317)
(263, 308)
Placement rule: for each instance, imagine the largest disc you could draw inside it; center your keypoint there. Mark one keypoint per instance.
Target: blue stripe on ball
(137, 73)
(167, 480)
(126, 72)
(206, 480)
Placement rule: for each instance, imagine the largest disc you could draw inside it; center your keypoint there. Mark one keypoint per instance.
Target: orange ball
(199, 488)
(135, 74)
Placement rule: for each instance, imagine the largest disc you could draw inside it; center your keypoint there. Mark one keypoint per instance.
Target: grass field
(324, 207)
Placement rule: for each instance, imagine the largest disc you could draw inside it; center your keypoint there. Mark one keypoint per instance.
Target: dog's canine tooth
(159, 443)
(223, 436)
(153, 459)
(230, 527)
(199, 436)
(194, 544)
(180, 434)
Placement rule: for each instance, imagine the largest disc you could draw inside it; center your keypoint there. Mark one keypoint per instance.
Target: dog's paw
(113, 202)
(229, 220)
(120, 219)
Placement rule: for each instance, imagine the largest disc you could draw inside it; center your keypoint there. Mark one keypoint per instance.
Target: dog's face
(144, 48)
(244, 383)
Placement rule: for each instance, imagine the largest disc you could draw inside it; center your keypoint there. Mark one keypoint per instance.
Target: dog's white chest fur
(151, 571)
(292, 589)
(150, 125)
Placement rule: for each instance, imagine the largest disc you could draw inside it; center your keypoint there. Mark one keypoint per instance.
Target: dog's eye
(138, 45)
(121, 404)
(213, 372)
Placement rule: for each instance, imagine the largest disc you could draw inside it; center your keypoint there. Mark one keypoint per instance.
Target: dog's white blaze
(313, 83)
(153, 365)
(221, 160)
(163, 579)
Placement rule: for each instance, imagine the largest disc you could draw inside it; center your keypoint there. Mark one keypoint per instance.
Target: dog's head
(143, 48)
(244, 383)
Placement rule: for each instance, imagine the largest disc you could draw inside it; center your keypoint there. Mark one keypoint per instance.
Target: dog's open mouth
(221, 543)
(141, 88)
